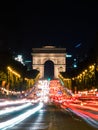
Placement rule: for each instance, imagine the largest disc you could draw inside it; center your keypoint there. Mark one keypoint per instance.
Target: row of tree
(13, 74)
(83, 77)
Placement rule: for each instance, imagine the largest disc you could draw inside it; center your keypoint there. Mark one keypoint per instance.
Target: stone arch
(49, 58)
(49, 53)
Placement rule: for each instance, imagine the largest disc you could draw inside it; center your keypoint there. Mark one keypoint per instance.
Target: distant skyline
(25, 25)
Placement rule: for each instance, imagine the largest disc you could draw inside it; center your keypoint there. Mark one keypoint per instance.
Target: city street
(59, 112)
(51, 117)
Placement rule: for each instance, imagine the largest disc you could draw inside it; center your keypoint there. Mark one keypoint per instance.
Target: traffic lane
(10, 115)
(52, 118)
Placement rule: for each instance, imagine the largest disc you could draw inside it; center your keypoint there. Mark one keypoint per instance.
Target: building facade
(49, 53)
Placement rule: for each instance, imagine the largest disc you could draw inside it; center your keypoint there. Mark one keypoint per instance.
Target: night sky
(25, 25)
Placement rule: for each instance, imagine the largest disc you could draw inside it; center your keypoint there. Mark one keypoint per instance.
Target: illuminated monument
(47, 56)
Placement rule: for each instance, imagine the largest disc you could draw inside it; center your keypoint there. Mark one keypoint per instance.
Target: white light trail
(12, 102)
(9, 110)
(12, 122)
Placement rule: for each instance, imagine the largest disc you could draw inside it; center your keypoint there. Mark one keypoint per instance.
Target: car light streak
(89, 120)
(10, 123)
(94, 116)
(81, 109)
(9, 110)
(12, 102)
(86, 107)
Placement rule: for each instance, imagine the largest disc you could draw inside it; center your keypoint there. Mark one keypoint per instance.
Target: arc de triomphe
(49, 53)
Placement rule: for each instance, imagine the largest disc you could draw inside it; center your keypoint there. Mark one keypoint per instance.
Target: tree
(3, 77)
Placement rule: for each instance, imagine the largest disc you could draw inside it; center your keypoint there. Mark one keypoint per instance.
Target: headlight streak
(9, 110)
(89, 120)
(10, 123)
(5, 103)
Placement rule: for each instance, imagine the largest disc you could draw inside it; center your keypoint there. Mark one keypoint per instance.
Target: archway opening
(49, 70)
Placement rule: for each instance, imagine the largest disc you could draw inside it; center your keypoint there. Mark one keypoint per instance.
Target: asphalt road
(52, 118)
